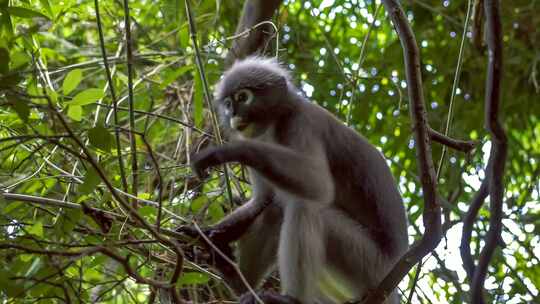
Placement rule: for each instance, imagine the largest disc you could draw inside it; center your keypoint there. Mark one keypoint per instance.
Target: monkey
(324, 202)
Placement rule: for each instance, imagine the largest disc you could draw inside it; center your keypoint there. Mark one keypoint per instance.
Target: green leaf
(215, 210)
(172, 76)
(93, 275)
(87, 96)
(47, 6)
(100, 138)
(20, 106)
(72, 80)
(26, 257)
(36, 229)
(10, 287)
(198, 101)
(198, 203)
(68, 220)
(75, 113)
(193, 278)
(19, 60)
(36, 264)
(4, 61)
(183, 35)
(6, 26)
(91, 181)
(147, 211)
(23, 12)
(12, 206)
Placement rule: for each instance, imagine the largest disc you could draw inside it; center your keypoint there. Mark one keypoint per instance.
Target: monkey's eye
(227, 102)
(243, 96)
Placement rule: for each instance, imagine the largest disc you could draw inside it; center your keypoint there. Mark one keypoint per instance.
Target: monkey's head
(252, 95)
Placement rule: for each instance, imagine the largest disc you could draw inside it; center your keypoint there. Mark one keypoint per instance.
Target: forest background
(94, 153)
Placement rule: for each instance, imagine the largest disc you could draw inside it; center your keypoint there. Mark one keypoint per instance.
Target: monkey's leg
(352, 251)
(301, 251)
(268, 297)
(257, 250)
(303, 174)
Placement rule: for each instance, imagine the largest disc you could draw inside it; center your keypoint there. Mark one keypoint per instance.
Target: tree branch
(468, 221)
(460, 145)
(499, 147)
(432, 209)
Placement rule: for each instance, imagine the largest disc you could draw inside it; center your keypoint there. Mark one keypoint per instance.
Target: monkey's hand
(205, 159)
(268, 297)
(219, 249)
(213, 234)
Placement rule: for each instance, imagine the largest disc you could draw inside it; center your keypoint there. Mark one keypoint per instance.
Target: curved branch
(432, 209)
(468, 221)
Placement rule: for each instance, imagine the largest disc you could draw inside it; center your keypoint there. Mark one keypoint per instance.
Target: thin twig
(169, 118)
(229, 261)
(455, 84)
(361, 59)
(155, 163)
(113, 96)
(88, 252)
(69, 205)
(202, 75)
(132, 138)
(133, 214)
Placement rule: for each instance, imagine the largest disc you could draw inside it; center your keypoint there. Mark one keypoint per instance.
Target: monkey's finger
(199, 171)
(188, 230)
(201, 174)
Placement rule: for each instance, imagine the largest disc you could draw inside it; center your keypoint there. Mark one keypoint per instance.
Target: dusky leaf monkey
(324, 202)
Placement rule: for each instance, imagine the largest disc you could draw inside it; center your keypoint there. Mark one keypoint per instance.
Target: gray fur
(334, 203)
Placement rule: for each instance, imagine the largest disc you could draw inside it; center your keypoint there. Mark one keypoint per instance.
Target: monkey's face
(251, 96)
(240, 112)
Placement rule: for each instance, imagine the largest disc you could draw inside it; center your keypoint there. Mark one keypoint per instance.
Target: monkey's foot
(268, 297)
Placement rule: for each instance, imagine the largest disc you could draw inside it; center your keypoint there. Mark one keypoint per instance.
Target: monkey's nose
(237, 123)
(234, 109)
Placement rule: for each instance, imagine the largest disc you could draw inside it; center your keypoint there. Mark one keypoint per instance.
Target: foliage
(50, 56)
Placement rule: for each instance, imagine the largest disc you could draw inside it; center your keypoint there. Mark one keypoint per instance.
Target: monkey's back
(364, 186)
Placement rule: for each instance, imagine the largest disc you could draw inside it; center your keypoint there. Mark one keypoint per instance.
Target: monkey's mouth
(238, 124)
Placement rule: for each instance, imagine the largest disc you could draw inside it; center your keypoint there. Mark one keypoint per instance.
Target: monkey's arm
(302, 174)
(232, 227)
